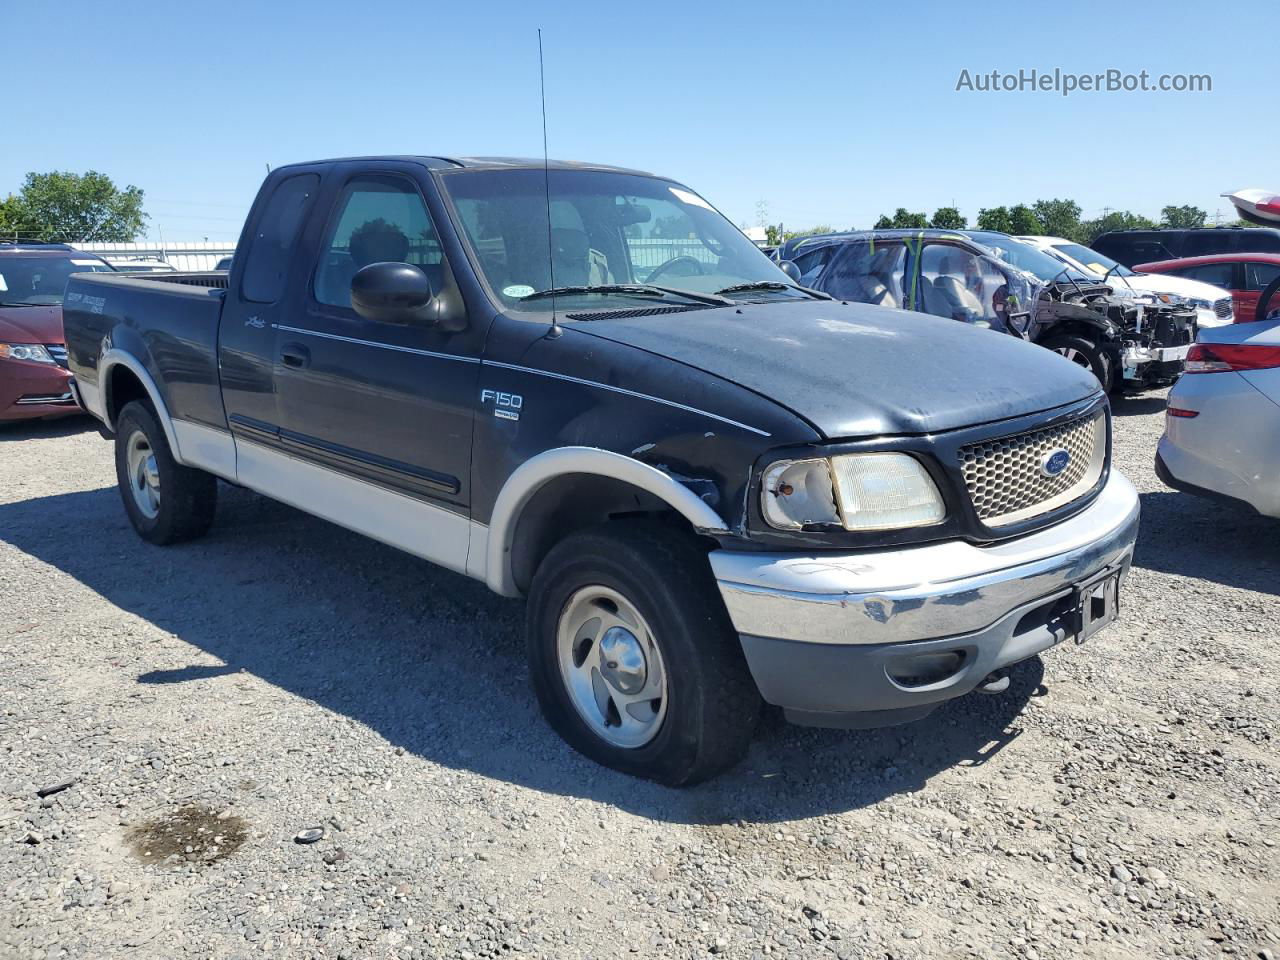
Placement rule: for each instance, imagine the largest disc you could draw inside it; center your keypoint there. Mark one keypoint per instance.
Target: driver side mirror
(393, 293)
(790, 269)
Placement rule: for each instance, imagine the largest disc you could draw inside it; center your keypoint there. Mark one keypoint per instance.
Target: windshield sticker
(517, 290)
(684, 196)
(84, 263)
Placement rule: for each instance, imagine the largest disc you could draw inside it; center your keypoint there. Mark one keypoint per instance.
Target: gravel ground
(206, 703)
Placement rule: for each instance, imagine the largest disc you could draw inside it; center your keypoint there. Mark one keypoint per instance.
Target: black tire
(1087, 354)
(187, 497)
(1268, 301)
(712, 704)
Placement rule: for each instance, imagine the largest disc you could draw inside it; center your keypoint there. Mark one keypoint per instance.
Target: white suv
(1213, 304)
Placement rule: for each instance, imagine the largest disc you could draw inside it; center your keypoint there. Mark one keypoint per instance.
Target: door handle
(295, 355)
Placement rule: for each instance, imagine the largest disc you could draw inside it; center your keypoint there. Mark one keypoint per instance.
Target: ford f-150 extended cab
(583, 385)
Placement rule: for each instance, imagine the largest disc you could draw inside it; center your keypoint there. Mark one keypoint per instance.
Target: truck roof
(482, 163)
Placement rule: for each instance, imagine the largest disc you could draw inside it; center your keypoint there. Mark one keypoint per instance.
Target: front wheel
(166, 502)
(633, 657)
(1087, 354)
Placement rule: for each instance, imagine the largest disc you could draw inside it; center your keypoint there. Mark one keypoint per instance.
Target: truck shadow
(434, 663)
(1209, 540)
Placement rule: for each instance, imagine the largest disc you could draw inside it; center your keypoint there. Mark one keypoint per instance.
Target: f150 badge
(505, 405)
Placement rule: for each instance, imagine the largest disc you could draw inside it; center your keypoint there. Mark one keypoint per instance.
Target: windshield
(1092, 260)
(39, 281)
(1026, 257)
(606, 230)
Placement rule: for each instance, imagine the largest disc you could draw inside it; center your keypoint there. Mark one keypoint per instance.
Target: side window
(868, 272)
(1258, 275)
(811, 264)
(380, 219)
(267, 260)
(960, 285)
(1202, 243)
(1219, 274)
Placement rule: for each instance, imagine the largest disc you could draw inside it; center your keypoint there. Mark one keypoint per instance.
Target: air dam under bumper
(868, 639)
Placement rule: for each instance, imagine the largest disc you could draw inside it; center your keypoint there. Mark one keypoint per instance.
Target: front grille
(58, 352)
(1006, 476)
(1222, 308)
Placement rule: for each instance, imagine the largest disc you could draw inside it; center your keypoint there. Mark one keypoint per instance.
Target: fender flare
(536, 472)
(117, 357)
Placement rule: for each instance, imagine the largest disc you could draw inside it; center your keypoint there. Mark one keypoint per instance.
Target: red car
(34, 381)
(1246, 275)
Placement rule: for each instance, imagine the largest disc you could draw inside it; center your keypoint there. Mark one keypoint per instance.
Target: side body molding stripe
(533, 473)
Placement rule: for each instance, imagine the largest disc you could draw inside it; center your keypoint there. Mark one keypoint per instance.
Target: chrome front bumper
(916, 593)
(819, 631)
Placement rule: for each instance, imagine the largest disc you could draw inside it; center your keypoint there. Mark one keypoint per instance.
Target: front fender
(492, 558)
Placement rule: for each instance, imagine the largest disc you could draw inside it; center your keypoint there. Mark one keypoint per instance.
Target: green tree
(1024, 221)
(904, 219)
(1059, 218)
(995, 218)
(811, 232)
(1116, 220)
(773, 234)
(1187, 217)
(884, 223)
(75, 208)
(8, 217)
(948, 218)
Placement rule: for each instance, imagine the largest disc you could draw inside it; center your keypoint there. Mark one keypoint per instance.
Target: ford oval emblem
(1054, 462)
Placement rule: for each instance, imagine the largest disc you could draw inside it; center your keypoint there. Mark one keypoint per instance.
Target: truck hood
(856, 370)
(31, 324)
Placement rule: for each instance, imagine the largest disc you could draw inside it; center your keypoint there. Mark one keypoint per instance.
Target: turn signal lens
(796, 493)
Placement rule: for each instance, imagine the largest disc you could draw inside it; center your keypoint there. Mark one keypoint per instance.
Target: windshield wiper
(773, 285)
(631, 289)
(18, 303)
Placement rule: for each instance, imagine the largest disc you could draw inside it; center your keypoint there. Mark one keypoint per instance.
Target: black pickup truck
(583, 385)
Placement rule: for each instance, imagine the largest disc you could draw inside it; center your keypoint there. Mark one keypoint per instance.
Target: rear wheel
(1087, 354)
(166, 502)
(633, 657)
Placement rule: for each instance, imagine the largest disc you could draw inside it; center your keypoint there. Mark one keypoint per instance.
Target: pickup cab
(583, 385)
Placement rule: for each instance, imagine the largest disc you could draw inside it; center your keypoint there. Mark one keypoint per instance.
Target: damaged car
(995, 281)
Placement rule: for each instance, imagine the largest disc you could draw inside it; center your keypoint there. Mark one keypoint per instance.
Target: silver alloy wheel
(1076, 356)
(144, 476)
(612, 667)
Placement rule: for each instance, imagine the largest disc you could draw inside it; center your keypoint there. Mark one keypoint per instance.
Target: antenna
(555, 330)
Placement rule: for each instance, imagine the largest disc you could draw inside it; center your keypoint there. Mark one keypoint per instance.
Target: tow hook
(995, 683)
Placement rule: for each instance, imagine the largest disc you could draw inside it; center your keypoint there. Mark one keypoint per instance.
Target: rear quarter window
(267, 260)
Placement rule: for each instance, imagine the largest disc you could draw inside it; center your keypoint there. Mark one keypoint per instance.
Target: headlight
(25, 351)
(859, 491)
(1201, 304)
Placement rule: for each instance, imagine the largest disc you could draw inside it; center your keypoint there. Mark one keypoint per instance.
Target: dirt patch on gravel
(191, 834)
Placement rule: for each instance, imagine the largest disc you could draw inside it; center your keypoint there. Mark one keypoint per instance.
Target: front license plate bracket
(1096, 603)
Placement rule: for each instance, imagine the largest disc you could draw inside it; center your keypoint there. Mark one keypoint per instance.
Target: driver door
(384, 403)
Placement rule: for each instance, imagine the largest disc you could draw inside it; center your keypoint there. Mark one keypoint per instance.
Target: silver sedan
(1222, 426)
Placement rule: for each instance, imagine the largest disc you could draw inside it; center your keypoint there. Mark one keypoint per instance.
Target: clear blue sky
(830, 114)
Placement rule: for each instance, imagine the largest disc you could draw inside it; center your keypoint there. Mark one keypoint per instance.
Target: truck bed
(169, 321)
